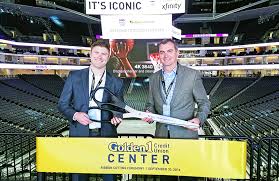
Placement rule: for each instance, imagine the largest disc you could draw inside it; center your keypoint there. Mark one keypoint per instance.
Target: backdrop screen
(133, 58)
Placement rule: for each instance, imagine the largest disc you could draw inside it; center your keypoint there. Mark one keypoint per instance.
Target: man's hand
(82, 118)
(196, 121)
(148, 119)
(115, 121)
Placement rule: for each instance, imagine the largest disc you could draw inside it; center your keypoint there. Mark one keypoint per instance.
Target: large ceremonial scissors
(117, 106)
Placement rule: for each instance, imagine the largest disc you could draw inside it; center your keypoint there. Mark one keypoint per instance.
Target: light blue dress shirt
(168, 77)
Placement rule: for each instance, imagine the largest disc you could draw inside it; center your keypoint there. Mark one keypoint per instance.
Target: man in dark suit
(76, 98)
(173, 92)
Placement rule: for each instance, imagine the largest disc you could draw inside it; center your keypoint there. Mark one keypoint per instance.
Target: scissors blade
(161, 119)
(129, 115)
(172, 121)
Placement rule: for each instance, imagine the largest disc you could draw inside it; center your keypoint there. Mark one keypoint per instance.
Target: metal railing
(268, 159)
(18, 160)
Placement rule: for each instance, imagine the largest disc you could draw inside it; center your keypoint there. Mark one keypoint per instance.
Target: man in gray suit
(173, 92)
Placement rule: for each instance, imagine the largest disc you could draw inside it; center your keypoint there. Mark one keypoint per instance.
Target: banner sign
(202, 158)
(204, 35)
(41, 67)
(176, 33)
(136, 26)
(113, 7)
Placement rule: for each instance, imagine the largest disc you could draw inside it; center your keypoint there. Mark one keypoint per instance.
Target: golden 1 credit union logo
(150, 153)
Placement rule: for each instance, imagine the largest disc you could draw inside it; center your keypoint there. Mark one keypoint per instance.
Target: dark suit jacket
(75, 98)
(188, 91)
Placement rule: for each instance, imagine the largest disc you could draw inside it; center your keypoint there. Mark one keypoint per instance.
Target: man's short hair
(165, 41)
(100, 43)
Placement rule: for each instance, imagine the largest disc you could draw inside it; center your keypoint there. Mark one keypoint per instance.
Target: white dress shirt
(95, 113)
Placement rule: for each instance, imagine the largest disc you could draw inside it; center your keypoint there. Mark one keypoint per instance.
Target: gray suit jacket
(188, 91)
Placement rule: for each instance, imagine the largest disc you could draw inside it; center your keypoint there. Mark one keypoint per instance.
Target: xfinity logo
(171, 6)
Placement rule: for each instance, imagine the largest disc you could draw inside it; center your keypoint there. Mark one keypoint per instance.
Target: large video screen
(134, 58)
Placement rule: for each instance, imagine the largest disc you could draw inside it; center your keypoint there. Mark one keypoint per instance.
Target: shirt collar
(170, 73)
(91, 73)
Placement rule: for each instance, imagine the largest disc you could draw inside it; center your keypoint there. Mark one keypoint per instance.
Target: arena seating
(43, 82)
(264, 86)
(228, 88)
(209, 83)
(29, 105)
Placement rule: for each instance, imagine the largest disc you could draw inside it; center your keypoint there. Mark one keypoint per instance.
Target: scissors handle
(116, 104)
(100, 121)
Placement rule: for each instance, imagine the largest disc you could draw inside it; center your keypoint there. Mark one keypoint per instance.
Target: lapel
(106, 96)
(108, 85)
(85, 85)
(178, 84)
(159, 84)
